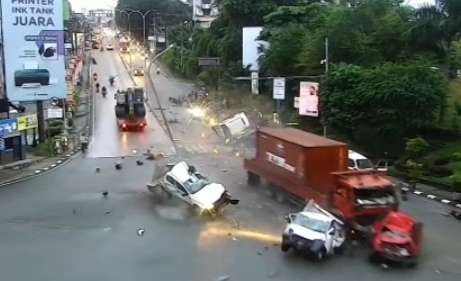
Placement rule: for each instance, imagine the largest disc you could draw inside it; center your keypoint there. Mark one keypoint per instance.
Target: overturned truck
(130, 109)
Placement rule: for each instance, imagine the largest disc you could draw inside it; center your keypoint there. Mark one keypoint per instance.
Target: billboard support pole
(327, 62)
(41, 122)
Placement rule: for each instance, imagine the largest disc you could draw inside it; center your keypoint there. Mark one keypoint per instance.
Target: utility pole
(327, 62)
(41, 122)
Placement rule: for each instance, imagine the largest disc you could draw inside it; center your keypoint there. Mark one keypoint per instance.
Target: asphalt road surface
(58, 226)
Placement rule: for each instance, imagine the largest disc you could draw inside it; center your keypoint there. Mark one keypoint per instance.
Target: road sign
(255, 83)
(209, 61)
(8, 126)
(279, 89)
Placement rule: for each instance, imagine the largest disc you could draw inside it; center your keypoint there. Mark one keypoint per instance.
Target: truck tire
(253, 179)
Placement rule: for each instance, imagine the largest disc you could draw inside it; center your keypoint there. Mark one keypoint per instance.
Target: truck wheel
(253, 179)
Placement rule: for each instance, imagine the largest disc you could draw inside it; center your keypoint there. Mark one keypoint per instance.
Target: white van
(359, 162)
(235, 126)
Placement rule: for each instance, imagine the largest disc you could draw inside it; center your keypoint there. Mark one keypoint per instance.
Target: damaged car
(184, 182)
(314, 232)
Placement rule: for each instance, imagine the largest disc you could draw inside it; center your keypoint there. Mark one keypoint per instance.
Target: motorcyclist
(95, 76)
(104, 91)
(97, 87)
(83, 142)
(111, 80)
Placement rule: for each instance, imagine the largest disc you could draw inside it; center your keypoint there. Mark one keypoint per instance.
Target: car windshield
(374, 197)
(364, 164)
(312, 223)
(194, 184)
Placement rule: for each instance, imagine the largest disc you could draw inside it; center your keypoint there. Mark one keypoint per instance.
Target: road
(58, 226)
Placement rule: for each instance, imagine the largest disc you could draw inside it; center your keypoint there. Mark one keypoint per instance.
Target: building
(204, 12)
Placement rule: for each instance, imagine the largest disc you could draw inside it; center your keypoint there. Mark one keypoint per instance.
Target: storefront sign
(54, 113)
(27, 122)
(7, 127)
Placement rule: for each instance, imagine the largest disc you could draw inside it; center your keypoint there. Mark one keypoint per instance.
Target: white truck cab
(313, 231)
(359, 162)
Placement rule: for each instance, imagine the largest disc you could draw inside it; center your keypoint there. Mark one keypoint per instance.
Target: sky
(77, 5)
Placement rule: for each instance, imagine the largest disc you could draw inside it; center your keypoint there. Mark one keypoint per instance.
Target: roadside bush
(416, 147)
(55, 128)
(456, 156)
(440, 171)
(442, 160)
(456, 180)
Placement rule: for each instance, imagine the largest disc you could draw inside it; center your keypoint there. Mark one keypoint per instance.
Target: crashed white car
(185, 183)
(313, 231)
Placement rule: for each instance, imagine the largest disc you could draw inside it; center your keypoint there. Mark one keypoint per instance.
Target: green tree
(377, 107)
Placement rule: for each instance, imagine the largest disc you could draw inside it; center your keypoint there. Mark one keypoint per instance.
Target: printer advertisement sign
(33, 39)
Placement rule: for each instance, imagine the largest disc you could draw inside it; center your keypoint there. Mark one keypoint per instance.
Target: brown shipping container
(302, 161)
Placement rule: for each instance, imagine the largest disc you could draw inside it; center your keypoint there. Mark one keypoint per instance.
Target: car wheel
(320, 255)
(284, 247)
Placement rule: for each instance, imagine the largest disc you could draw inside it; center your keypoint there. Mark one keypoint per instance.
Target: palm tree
(436, 26)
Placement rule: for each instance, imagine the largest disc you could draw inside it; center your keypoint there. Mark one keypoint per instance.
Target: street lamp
(128, 13)
(143, 15)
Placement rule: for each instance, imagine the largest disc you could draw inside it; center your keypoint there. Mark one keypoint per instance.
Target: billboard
(309, 99)
(27, 122)
(252, 47)
(34, 49)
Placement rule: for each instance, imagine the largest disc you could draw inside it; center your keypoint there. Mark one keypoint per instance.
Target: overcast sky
(77, 5)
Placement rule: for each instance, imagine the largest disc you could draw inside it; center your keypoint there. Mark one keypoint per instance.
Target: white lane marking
(430, 196)
(417, 192)
(445, 201)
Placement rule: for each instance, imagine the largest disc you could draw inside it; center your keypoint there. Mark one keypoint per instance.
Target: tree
(378, 107)
(435, 26)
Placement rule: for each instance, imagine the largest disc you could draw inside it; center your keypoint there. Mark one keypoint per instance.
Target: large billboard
(309, 99)
(33, 36)
(252, 47)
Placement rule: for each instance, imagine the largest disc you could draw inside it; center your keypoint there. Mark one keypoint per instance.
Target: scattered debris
(384, 266)
(139, 163)
(134, 151)
(223, 278)
(37, 171)
(224, 170)
(118, 165)
(105, 193)
(140, 231)
(260, 253)
(74, 212)
(98, 170)
(437, 271)
(107, 212)
(272, 274)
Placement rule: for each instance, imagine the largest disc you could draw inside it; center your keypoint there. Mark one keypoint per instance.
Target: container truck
(130, 109)
(313, 167)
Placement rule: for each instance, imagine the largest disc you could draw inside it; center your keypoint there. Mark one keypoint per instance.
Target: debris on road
(140, 232)
(118, 165)
(384, 266)
(139, 163)
(98, 170)
(107, 212)
(105, 193)
(223, 278)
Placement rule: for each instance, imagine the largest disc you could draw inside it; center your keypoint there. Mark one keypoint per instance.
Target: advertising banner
(309, 99)
(34, 49)
(27, 122)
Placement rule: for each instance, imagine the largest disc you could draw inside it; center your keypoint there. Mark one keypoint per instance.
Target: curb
(432, 197)
(58, 163)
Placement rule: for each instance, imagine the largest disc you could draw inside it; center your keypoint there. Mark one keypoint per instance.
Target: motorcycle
(97, 87)
(95, 76)
(104, 92)
(111, 81)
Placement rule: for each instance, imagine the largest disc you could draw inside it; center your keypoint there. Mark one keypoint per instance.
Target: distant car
(185, 183)
(138, 72)
(359, 162)
(313, 231)
(110, 47)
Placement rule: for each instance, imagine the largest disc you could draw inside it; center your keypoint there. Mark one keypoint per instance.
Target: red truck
(313, 167)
